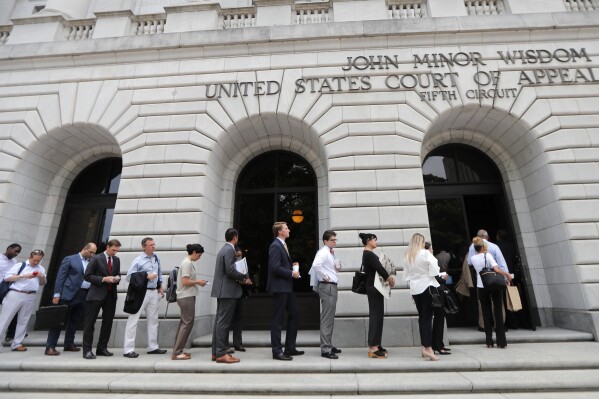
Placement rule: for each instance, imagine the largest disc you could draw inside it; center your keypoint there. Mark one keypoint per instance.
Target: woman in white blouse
(420, 269)
(481, 260)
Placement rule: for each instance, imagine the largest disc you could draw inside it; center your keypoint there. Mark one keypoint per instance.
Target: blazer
(96, 270)
(69, 277)
(136, 292)
(226, 277)
(280, 269)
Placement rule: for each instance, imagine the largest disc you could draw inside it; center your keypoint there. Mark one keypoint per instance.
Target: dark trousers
(376, 316)
(238, 322)
(438, 326)
(424, 306)
(76, 309)
(225, 309)
(92, 309)
(283, 302)
(492, 300)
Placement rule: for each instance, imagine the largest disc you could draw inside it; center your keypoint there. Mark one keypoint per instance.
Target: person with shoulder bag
(488, 292)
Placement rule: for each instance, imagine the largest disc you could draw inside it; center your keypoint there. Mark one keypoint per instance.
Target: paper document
(242, 266)
(382, 286)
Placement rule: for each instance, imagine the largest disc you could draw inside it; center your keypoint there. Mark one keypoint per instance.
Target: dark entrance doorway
(278, 186)
(464, 193)
(87, 215)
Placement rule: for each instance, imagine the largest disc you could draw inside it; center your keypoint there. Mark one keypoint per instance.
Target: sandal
(182, 356)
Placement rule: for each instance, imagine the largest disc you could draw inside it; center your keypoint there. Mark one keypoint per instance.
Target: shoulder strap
(21, 268)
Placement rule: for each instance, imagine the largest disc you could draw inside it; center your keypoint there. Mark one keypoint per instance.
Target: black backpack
(171, 286)
(5, 285)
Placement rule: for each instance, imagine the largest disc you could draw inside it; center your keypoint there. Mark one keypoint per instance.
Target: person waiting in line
(239, 309)
(187, 281)
(26, 279)
(439, 312)
(420, 269)
(376, 301)
(487, 297)
(7, 260)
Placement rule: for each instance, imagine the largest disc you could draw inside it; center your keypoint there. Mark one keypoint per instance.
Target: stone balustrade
(581, 5)
(484, 7)
(79, 30)
(407, 10)
(313, 13)
(4, 33)
(239, 17)
(148, 25)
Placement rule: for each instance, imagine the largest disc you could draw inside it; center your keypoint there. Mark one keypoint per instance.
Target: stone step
(477, 395)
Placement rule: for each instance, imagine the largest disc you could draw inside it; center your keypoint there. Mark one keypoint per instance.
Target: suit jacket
(280, 269)
(136, 292)
(69, 277)
(96, 270)
(226, 277)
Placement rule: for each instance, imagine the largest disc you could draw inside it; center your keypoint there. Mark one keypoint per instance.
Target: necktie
(110, 271)
(286, 249)
(332, 252)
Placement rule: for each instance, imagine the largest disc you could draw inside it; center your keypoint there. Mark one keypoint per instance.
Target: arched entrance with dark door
(87, 214)
(465, 193)
(277, 186)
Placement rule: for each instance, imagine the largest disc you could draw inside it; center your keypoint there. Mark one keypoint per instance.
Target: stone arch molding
(512, 144)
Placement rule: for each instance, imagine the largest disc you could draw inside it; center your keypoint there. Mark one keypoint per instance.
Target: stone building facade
(187, 93)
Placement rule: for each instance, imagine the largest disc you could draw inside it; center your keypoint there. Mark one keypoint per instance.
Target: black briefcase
(49, 317)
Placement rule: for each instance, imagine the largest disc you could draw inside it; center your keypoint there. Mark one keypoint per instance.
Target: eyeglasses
(37, 252)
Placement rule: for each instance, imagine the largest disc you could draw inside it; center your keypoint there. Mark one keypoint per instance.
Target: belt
(152, 289)
(327, 282)
(24, 292)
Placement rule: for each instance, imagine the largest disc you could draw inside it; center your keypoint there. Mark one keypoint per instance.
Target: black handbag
(359, 282)
(491, 280)
(449, 301)
(49, 317)
(436, 299)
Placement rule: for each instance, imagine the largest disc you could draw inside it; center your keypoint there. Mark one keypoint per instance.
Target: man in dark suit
(70, 289)
(103, 274)
(226, 289)
(281, 273)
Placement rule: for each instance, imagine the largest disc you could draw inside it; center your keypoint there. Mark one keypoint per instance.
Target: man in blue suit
(280, 284)
(70, 289)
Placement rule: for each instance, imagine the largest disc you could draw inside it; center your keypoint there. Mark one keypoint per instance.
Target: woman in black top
(376, 304)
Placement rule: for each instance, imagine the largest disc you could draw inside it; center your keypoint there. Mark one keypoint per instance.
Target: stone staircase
(564, 365)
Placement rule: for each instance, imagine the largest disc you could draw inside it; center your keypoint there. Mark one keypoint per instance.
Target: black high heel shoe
(442, 352)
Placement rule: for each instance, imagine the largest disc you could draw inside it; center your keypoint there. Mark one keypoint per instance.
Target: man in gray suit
(226, 289)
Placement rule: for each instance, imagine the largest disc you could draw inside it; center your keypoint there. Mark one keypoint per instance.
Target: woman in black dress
(376, 301)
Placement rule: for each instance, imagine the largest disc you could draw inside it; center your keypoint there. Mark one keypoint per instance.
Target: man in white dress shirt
(21, 296)
(7, 261)
(325, 279)
(146, 262)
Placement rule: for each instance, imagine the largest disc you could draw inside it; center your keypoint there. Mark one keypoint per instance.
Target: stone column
(447, 8)
(273, 12)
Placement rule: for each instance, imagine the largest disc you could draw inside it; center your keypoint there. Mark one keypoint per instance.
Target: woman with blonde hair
(376, 301)
(482, 259)
(420, 269)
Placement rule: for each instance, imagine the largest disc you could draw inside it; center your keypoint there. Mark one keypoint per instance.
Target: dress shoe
(442, 352)
(89, 355)
(131, 355)
(240, 348)
(228, 359)
(103, 352)
(377, 354)
(157, 352)
(213, 358)
(293, 352)
(51, 352)
(329, 355)
(19, 348)
(281, 356)
(72, 348)
(335, 350)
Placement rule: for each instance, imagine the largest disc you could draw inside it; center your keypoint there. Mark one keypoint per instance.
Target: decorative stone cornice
(118, 13)
(213, 6)
(267, 3)
(38, 19)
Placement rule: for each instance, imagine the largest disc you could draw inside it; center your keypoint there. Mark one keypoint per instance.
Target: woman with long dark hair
(376, 301)
(186, 298)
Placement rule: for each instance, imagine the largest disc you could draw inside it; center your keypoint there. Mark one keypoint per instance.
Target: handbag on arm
(359, 282)
(492, 280)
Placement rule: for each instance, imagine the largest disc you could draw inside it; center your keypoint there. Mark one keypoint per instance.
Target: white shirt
(5, 265)
(422, 273)
(478, 262)
(495, 252)
(26, 284)
(324, 266)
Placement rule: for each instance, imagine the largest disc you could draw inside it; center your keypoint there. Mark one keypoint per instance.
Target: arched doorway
(464, 193)
(87, 215)
(271, 188)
